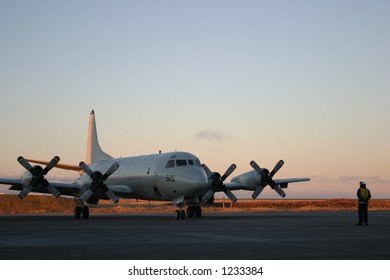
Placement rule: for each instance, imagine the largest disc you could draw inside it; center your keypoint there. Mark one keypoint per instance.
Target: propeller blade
(256, 167)
(86, 168)
(216, 183)
(230, 195)
(85, 196)
(25, 191)
(279, 190)
(228, 172)
(276, 168)
(207, 170)
(53, 191)
(207, 196)
(112, 196)
(111, 170)
(25, 164)
(257, 192)
(51, 164)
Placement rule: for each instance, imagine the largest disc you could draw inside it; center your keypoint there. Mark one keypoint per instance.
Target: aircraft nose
(195, 178)
(202, 177)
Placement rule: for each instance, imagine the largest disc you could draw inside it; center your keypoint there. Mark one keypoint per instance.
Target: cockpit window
(170, 164)
(181, 162)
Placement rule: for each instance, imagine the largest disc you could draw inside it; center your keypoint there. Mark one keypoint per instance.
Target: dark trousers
(363, 213)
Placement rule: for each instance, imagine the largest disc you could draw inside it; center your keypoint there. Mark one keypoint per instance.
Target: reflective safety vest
(364, 193)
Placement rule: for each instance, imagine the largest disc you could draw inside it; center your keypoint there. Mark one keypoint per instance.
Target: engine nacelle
(250, 179)
(34, 177)
(26, 178)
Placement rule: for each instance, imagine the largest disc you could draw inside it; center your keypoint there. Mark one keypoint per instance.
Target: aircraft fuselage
(165, 176)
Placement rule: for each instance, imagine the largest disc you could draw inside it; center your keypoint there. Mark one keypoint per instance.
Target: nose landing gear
(192, 211)
(81, 211)
(180, 214)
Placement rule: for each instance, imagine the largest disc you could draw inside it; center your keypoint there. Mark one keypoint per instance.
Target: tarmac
(217, 236)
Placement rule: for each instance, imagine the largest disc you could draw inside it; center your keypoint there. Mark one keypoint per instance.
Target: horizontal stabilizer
(65, 166)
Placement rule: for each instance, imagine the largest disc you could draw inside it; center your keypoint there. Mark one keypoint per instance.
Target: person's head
(362, 184)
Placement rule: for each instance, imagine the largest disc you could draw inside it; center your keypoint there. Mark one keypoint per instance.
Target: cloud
(351, 179)
(212, 135)
(367, 179)
(321, 179)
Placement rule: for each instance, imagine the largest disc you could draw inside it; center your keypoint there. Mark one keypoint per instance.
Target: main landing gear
(192, 211)
(81, 211)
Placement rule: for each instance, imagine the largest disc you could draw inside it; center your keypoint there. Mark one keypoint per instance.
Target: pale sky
(230, 81)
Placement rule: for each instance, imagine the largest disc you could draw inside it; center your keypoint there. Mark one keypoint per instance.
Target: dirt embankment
(36, 204)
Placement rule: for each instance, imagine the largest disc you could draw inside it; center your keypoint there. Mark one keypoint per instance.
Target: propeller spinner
(216, 183)
(98, 182)
(266, 179)
(38, 177)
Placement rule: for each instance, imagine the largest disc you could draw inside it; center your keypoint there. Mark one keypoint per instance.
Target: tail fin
(94, 152)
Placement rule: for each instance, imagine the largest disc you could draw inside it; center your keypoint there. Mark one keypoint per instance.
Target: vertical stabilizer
(94, 152)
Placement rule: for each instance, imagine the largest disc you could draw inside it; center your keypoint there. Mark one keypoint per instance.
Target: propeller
(98, 182)
(38, 177)
(266, 179)
(216, 183)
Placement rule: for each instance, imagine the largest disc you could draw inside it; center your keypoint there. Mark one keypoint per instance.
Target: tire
(77, 212)
(198, 211)
(182, 214)
(85, 212)
(190, 211)
(177, 214)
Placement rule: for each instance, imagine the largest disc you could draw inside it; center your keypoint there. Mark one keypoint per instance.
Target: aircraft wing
(64, 188)
(10, 181)
(122, 191)
(67, 188)
(234, 186)
(237, 186)
(71, 189)
(249, 182)
(283, 182)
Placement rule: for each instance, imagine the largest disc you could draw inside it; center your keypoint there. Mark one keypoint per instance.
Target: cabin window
(181, 162)
(170, 164)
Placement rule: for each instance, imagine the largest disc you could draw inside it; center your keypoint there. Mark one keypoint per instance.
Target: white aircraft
(175, 176)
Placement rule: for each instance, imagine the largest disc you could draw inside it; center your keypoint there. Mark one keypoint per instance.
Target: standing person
(364, 196)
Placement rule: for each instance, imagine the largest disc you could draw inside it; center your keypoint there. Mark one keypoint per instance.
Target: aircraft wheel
(177, 214)
(77, 212)
(198, 211)
(85, 212)
(182, 214)
(190, 211)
